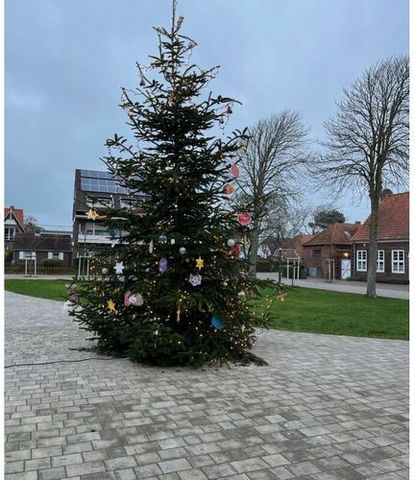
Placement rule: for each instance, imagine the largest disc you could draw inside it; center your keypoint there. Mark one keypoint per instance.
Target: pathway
(326, 407)
(382, 289)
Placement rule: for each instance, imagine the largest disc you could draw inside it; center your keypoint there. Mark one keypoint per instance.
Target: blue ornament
(217, 322)
(163, 265)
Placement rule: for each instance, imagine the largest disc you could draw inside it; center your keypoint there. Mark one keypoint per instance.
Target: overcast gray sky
(66, 61)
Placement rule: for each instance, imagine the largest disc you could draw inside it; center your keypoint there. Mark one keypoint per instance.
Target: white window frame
(361, 260)
(9, 233)
(380, 262)
(398, 262)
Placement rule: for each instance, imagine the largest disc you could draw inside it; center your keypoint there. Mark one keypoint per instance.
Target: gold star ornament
(92, 214)
(111, 306)
(200, 263)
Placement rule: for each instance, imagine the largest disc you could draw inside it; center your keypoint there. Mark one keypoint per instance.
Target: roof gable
(393, 221)
(334, 234)
(17, 215)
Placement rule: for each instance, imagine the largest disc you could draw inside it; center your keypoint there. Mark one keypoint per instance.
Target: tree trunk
(373, 249)
(253, 250)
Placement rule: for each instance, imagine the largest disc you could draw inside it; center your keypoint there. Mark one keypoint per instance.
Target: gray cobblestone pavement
(326, 407)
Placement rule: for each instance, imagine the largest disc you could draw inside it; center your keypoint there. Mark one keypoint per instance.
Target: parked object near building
(329, 253)
(393, 241)
(13, 224)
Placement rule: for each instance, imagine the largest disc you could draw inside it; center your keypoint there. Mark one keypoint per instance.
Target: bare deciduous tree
(368, 141)
(274, 155)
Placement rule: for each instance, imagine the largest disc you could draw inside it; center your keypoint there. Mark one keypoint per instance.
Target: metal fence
(19, 269)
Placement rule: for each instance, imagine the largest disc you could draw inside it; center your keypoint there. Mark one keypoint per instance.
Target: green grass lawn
(304, 310)
(323, 311)
(50, 289)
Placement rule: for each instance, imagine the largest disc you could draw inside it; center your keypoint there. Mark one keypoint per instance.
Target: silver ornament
(195, 279)
(182, 251)
(231, 242)
(104, 270)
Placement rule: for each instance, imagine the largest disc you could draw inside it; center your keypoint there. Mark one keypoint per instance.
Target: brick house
(43, 246)
(393, 242)
(297, 244)
(13, 224)
(328, 254)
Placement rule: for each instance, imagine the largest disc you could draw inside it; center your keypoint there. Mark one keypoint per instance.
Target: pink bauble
(235, 170)
(244, 218)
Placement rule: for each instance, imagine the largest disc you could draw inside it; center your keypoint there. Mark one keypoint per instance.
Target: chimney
(358, 222)
(11, 207)
(384, 193)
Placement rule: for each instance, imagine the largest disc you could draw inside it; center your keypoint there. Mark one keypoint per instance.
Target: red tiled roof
(393, 219)
(334, 234)
(17, 213)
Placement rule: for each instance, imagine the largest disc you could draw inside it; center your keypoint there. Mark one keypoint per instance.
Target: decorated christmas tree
(172, 289)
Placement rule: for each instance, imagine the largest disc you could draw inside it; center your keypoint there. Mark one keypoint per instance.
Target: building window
(398, 261)
(55, 255)
(361, 260)
(380, 265)
(9, 233)
(28, 255)
(316, 253)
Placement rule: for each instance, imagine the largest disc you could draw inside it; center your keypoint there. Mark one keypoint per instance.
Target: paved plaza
(326, 407)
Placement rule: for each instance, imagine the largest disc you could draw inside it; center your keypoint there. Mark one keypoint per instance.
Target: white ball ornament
(231, 242)
(182, 251)
(104, 271)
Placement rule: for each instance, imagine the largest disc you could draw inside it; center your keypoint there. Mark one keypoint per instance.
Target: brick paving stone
(52, 474)
(148, 470)
(22, 476)
(219, 471)
(327, 406)
(249, 465)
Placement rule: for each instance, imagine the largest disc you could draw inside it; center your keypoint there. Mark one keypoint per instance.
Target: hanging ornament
(221, 120)
(225, 283)
(242, 328)
(92, 214)
(111, 306)
(104, 271)
(119, 267)
(182, 251)
(228, 189)
(235, 170)
(142, 81)
(151, 246)
(231, 242)
(229, 109)
(162, 239)
(127, 295)
(281, 296)
(195, 280)
(172, 241)
(244, 218)
(178, 314)
(136, 300)
(235, 251)
(242, 295)
(217, 322)
(163, 265)
(200, 263)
